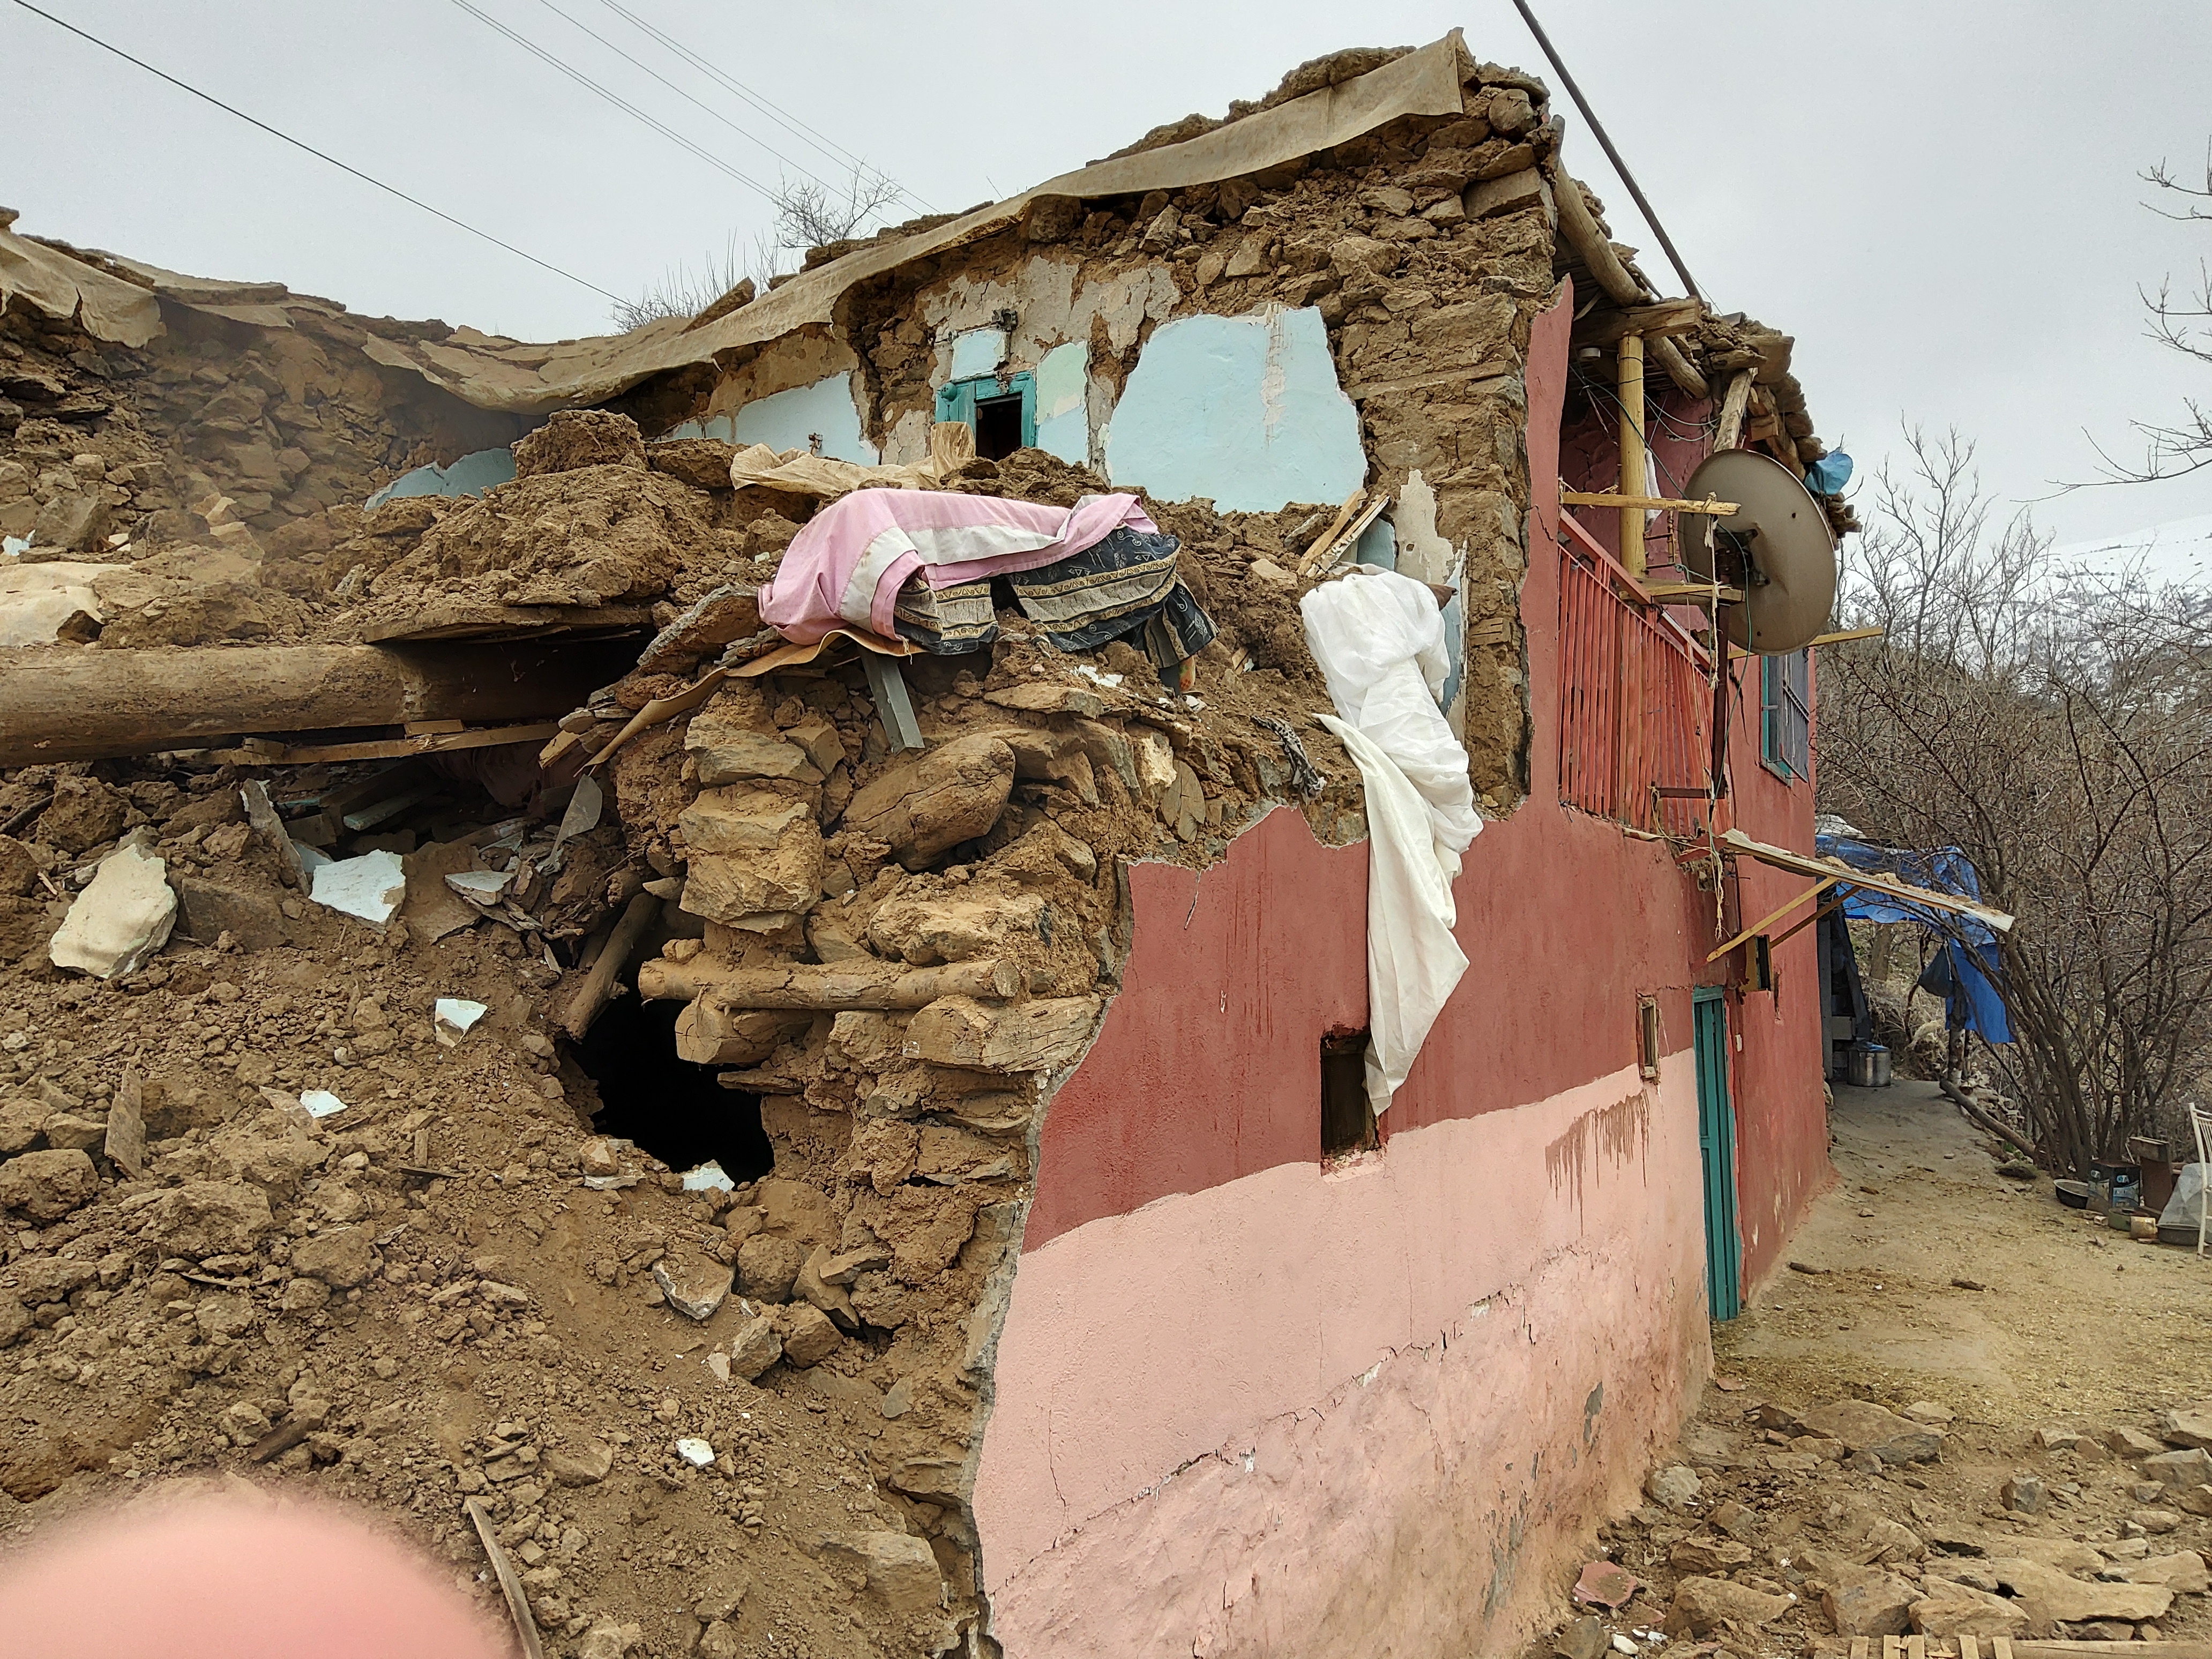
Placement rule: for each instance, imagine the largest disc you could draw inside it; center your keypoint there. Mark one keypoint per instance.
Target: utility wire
(389, 190)
(645, 69)
(620, 103)
(782, 117)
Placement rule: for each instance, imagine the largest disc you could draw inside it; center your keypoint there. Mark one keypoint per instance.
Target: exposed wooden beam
(1632, 451)
(1730, 433)
(1604, 328)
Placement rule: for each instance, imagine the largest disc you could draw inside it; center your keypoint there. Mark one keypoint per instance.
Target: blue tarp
(1965, 972)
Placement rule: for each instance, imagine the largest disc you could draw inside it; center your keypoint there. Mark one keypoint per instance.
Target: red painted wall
(1208, 1066)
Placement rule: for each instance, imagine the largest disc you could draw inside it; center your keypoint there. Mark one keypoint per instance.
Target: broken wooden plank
(510, 1582)
(270, 753)
(1649, 503)
(1830, 870)
(450, 620)
(602, 983)
(832, 986)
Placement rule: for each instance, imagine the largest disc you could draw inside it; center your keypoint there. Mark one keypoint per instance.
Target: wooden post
(1633, 479)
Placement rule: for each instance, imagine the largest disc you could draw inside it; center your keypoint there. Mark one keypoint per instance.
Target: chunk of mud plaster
(695, 1286)
(43, 1187)
(574, 438)
(1028, 1037)
(923, 806)
(121, 920)
(754, 1348)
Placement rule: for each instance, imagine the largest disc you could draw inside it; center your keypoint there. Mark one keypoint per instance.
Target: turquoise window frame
(957, 400)
(1785, 715)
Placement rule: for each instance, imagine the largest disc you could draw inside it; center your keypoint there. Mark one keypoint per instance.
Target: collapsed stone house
(1051, 1229)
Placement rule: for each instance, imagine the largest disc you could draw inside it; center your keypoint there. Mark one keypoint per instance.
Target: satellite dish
(1775, 547)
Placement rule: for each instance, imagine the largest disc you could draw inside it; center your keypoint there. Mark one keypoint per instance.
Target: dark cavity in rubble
(674, 1111)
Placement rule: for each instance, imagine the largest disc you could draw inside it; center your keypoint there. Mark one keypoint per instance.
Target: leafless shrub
(2054, 727)
(808, 214)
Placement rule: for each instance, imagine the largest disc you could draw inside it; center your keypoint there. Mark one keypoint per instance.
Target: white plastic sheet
(1379, 640)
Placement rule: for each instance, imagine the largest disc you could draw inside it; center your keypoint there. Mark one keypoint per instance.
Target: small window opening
(1647, 1037)
(1347, 1116)
(997, 426)
(674, 1111)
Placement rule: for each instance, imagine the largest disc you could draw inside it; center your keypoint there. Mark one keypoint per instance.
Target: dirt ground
(1928, 1285)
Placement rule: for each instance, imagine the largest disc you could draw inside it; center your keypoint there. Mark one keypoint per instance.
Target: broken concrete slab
(119, 921)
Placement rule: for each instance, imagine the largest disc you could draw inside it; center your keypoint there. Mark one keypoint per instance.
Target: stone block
(253, 917)
(1702, 1606)
(341, 1258)
(925, 806)
(43, 1187)
(1865, 1426)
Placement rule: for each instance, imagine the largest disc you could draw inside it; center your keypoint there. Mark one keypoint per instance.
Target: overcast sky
(1940, 200)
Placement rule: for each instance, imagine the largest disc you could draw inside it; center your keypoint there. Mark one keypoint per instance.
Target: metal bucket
(1862, 1064)
(1880, 1054)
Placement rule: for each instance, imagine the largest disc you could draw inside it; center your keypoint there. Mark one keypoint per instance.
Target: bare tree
(2055, 728)
(2180, 323)
(808, 214)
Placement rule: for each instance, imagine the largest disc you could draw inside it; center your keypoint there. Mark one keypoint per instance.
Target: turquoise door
(1716, 1144)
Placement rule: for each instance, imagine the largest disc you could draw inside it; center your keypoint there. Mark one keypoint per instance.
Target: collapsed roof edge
(1426, 82)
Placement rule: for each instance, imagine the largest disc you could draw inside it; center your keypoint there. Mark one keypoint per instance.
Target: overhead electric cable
(774, 113)
(1597, 130)
(687, 97)
(619, 102)
(389, 190)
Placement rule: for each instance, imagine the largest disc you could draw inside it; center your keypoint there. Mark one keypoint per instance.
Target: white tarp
(1379, 639)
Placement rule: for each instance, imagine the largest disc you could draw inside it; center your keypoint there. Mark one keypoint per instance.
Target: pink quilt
(847, 564)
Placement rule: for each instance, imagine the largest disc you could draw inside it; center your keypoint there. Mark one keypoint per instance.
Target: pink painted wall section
(1374, 1410)
(1246, 1404)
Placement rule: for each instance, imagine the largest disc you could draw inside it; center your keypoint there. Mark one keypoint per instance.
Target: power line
(684, 96)
(620, 103)
(389, 190)
(774, 113)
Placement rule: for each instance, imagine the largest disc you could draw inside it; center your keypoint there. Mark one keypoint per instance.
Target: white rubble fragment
(452, 1017)
(695, 1452)
(120, 920)
(482, 886)
(321, 1102)
(708, 1178)
(369, 887)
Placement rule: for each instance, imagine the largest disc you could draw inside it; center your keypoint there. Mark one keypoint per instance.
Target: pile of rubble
(1797, 1530)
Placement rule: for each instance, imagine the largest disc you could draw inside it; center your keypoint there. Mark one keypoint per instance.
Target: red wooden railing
(1635, 705)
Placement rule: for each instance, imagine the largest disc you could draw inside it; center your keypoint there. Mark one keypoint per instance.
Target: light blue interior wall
(789, 420)
(471, 475)
(979, 352)
(1063, 424)
(1245, 410)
